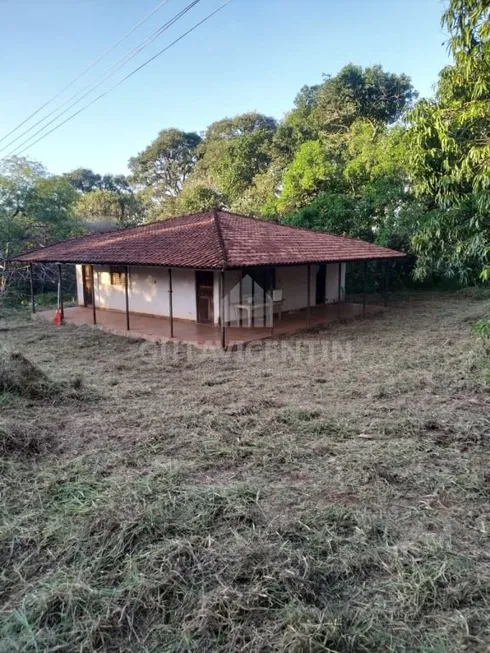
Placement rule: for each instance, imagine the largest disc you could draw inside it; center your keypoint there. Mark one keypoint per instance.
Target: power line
(107, 74)
(86, 106)
(92, 65)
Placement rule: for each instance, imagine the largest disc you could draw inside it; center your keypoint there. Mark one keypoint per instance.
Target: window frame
(117, 275)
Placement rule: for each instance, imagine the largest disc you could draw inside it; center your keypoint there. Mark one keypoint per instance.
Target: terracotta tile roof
(211, 240)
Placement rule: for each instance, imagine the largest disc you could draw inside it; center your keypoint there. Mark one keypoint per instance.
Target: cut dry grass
(251, 502)
(18, 376)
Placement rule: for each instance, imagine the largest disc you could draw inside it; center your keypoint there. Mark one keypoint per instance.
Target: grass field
(322, 497)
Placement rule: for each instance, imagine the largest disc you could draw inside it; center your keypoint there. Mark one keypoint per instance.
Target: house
(210, 276)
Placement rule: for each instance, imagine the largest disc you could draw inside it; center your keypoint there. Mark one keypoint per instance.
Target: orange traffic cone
(57, 318)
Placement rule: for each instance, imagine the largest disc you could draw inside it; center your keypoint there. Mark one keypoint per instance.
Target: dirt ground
(325, 492)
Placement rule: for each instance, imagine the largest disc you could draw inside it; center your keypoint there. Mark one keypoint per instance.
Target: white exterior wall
(332, 285)
(78, 272)
(292, 280)
(148, 291)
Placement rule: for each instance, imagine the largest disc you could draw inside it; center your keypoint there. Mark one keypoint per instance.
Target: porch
(155, 328)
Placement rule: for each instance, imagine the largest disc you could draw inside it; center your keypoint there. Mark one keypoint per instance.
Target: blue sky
(254, 55)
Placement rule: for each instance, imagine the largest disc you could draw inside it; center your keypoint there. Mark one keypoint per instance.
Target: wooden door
(321, 281)
(205, 297)
(88, 291)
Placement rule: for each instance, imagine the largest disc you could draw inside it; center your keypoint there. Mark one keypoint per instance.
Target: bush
(482, 329)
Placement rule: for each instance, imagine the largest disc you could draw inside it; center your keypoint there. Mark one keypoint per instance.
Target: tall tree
(35, 209)
(167, 162)
(103, 206)
(196, 196)
(233, 152)
(450, 151)
(356, 92)
(83, 179)
(240, 125)
(311, 171)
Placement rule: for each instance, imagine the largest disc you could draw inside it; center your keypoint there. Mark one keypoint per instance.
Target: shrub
(482, 329)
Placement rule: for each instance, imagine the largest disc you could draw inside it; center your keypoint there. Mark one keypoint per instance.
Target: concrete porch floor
(158, 328)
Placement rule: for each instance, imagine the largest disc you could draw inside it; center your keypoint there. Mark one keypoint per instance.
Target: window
(117, 276)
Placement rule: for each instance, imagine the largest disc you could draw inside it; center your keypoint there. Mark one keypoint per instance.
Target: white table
(250, 308)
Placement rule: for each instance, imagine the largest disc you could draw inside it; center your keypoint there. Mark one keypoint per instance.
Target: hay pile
(21, 439)
(20, 377)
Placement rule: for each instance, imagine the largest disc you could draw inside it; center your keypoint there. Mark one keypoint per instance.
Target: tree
(450, 151)
(337, 132)
(260, 198)
(311, 171)
(368, 196)
(197, 197)
(240, 125)
(233, 152)
(167, 162)
(35, 210)
(49, 204)
(336, 213)
(17, 178)
(369, 93)
(116, 183)
(83, 179)
(374, 151)
(109, 206)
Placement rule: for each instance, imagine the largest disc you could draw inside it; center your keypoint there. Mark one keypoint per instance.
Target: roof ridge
(221, 240)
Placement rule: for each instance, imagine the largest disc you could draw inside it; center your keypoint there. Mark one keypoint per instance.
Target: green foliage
(109, 206)
(83, 179)
(354, 156)
(334, 212)
(167, 162)
(369, 93)
(450, 149)
(382, 214)
(35, 209)
(198, 197)
(373, 152)
(450, 243)
(259, 199)
(233, 152)
(482, 330)
(310, 172)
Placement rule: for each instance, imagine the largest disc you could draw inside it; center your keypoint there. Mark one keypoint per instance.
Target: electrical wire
(107, 74)
(148, 61)
(92, 65)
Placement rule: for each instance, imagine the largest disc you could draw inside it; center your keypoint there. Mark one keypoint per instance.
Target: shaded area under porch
(151, 327)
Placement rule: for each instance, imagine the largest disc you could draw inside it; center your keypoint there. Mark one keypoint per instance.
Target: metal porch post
(170, 302)
(222, 310)
(60, 292)
(364, 284)
(126, 293)
(386, 284)
(264, 290)
(33, 302)
(92, 279)
(271, 298)
(240, 300)
(339, 289)
(308, 291)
